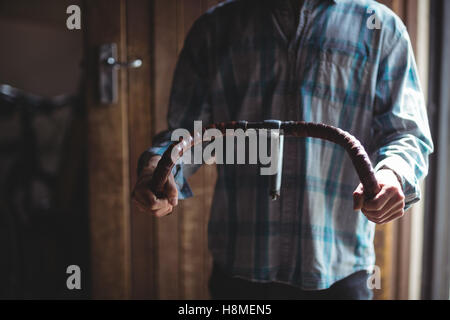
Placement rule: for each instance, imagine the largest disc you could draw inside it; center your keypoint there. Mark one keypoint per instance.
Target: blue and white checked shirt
(238, 64)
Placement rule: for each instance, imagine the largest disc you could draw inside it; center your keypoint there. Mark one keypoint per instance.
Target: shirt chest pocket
(337, 88)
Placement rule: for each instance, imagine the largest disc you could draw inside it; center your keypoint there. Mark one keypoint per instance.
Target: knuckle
(158, 214)
(139, 207)
(374, 220)
(367, 213)
(142, 209)
(376, 204)
(370, 217)
(172, 184)
(137, 203)
(376, 216)
(391, 189)
(378, 220)
(152, 201)
(400, 197)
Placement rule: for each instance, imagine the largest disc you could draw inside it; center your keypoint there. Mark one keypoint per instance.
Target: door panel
(135, 255)
(139, 32)
(183, 258)
(108, 158)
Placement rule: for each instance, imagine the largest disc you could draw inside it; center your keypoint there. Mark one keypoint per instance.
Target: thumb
(171, 190)
(358, 198)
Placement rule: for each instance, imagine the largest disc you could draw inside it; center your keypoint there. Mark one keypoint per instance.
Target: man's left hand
(387, 205)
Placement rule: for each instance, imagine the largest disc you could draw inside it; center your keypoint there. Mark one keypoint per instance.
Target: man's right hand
(146, 200)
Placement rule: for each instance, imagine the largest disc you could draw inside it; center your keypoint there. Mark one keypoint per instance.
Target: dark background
(43, 216)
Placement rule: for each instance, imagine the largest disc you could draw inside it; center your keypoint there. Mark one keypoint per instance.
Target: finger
(159, 204)
(392, 213)
(140, 207)
(139, 199)
(371, 219)
(163, 211)
(358, 198)
(145, 208)
(395, 199)
(381, 213)
(387, 216)
(156, 203)
(396, 216)
(379, 201)
(148, 201)
(171, 190)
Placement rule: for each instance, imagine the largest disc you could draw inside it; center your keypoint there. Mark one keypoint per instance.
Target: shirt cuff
(184, 190)
(409, 183)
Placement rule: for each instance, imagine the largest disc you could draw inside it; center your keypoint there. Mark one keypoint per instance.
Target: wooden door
(184, 261)
(108, 156)
(135, 255)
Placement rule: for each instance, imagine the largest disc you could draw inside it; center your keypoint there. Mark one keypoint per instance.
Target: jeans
(224, 287)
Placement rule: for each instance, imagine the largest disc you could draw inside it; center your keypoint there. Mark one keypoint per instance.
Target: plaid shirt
(238, 64)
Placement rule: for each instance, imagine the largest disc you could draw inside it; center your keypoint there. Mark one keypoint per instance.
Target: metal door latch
(108, 72)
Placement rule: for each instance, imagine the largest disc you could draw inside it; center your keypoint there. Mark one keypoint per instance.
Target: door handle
(111, 62)
(108, 72)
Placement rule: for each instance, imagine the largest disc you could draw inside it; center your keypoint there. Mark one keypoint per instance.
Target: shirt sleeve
(189, 99)
(402, 139)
